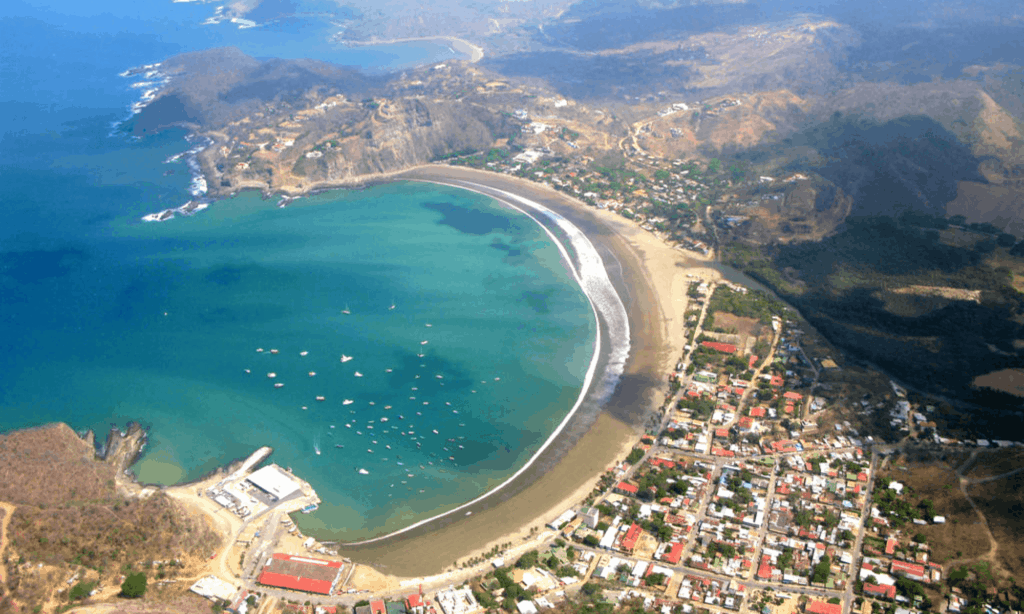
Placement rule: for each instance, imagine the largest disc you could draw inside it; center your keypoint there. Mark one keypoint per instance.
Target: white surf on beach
(605, 302)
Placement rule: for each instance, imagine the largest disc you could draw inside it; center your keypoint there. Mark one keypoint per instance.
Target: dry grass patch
(51, 465)
(963, 536)
(69, 517)
(1002, 502)
(1010, 381)
(996, 462)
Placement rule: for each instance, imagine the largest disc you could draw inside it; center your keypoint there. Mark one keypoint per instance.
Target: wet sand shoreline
(647, 274)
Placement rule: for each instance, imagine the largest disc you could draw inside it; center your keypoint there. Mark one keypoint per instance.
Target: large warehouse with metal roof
(300, 573)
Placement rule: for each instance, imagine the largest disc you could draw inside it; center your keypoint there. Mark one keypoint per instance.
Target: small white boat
(429, 325)
(358, 374)
(346, 310)
(320, 398)
(304, 407)
(303, 353)
(271, 375)
(421, 343)
(248, 371)
(312, 373)
(345, 358)
(347, 402)
(279, 385)
(435, 432)
(364, 472)
(273, 351)
(259, 350)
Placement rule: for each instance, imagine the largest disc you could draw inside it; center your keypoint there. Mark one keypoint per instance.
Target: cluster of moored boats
(378, 429)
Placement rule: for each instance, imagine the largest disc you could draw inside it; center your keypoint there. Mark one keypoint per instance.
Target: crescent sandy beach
(650, 278)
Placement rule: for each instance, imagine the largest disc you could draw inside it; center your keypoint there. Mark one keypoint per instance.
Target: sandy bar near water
(651, 279)
(474, 52)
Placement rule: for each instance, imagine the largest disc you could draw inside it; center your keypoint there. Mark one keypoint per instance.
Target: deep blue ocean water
(105, 319)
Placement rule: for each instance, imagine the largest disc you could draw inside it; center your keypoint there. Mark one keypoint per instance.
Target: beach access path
(7, 510)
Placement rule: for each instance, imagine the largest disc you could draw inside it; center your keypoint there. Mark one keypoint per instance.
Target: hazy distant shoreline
(474, 52)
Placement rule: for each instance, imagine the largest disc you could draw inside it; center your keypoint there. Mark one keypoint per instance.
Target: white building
(273, 481)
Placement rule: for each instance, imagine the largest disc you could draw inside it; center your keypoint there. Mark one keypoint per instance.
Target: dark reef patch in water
(510, 251)
(39, 264)
(227, 275)
(470, 221)
(538, 301)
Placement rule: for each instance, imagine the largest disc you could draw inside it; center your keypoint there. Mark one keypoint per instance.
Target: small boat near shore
(345, 358)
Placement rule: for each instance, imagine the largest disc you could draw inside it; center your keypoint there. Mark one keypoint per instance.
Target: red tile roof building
(673, 554)
(822, 607)
(910, 570)
(880, 590)
(890, 545)
(377, 606)
(663, 462)
(627, 489)
(725, 348)
(631, 537)
(301, 574)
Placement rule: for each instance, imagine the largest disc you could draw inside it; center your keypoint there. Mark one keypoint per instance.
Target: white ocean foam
(153, 81)
(593, 278)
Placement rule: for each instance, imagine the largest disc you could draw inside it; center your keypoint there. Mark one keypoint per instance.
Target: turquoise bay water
(108, 319)
(105, 319)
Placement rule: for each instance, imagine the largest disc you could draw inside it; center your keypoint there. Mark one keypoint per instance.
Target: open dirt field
(996, 462)
(1007, 380)
(748, 330)
(963, 537)
(1002, 502)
